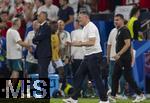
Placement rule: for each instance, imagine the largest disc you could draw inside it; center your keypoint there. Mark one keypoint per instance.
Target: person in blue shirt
(3, 69)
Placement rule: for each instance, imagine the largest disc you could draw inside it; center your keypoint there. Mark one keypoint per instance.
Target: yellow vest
(130, 27)
(55, 46)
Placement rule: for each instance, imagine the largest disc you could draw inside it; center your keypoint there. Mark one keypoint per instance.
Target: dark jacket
(43, 42)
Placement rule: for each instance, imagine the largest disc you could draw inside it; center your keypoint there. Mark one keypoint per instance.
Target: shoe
(139, 98)
(133, 96)
(62, 93)
(112, 99)
(109, 92)
(124, 97)
(104, 101)
(70, 100)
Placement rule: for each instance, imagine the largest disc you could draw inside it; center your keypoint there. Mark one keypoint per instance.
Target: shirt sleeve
(91, 32)
(126, 34)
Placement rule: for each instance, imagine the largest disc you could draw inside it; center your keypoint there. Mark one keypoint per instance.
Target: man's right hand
(30, 49)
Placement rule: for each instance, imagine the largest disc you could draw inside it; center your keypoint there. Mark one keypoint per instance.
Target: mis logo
(37, 88)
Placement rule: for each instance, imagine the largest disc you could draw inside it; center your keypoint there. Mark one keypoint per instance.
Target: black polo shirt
(123, 34)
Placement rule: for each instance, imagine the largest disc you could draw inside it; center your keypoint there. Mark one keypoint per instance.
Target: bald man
(64, 37)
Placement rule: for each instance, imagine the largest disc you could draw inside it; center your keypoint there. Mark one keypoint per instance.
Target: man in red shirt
(5, 24)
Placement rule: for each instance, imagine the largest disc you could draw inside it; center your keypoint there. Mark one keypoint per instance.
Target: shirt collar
(42, 23)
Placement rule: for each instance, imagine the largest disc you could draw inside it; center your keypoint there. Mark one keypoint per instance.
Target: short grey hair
(45, 13)
(15, 20)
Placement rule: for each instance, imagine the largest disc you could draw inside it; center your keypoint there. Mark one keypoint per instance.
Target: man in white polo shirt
(92, 59)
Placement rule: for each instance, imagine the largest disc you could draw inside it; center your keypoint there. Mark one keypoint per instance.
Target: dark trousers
(75, 66)
(43, 67)
(90, 65)
(123, 66)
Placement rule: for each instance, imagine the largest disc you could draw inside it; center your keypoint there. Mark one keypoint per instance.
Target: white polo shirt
(90, 30)
(64, 37)
(112, 41)
(14, 50)
(77, 52)
(30, 57)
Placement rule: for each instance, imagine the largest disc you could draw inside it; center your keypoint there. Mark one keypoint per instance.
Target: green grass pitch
(53, 100)
(92, 100)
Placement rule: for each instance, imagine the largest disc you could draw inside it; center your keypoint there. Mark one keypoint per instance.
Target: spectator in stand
(28, 7)
(144, 4)
(37, 5)
(4, 72)
(56, 2)
(104, 6)
(19, 13)
(22, 28)
(6, 5)
(51, 9)
(93, 5)
(19, 8)
(134, 24)
(82, 5)
(6, 23)
(66, 12)
(74, 5)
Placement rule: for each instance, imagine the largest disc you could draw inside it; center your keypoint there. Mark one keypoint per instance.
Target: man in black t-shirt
(122, 36)
(66, 12)
(123, 60)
